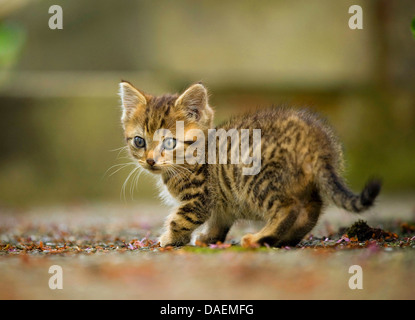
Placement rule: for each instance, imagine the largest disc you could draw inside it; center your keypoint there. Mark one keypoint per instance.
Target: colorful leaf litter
(144, 243)
(60, 246)
(359, 235)
(363, 232)
(407, 228)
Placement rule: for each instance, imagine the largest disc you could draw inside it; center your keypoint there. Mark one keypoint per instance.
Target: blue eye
(139, 142)
(169, 143)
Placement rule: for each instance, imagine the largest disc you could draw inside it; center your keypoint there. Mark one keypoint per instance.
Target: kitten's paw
(206, 239)
(166, 240)
(249, 241)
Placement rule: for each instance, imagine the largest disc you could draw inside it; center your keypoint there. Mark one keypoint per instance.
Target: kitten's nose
(151, 162)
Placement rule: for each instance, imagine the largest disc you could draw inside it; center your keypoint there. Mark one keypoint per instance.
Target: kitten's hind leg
(276, 229)
(305, 222)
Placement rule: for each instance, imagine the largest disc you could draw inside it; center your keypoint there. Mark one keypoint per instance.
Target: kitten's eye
(139, 142)
(169, 143)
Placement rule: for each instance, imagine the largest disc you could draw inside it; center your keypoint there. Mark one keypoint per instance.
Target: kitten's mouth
(153, 169)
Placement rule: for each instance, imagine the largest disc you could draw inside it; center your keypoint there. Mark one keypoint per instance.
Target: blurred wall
(59, 110)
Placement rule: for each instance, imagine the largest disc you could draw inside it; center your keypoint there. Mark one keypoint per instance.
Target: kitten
(300, 163)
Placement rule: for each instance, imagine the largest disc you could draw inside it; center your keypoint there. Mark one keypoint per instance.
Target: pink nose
(151, 162)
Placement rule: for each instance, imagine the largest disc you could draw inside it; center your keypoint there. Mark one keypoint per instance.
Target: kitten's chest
(169, 197)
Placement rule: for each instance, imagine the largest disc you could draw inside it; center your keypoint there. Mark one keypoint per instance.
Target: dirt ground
(110, 252)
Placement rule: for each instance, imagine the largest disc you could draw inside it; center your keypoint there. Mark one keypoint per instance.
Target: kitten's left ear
(194, 101)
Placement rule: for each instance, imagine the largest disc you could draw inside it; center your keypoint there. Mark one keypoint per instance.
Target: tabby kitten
(300, 158)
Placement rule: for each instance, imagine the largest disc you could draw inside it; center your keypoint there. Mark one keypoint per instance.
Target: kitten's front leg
(180, 225)
(217, 227)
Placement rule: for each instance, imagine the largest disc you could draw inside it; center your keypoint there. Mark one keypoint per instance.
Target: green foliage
(215, 249)
(413, 27)
(12, 38)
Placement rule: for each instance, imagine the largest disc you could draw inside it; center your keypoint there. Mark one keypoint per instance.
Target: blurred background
(59, 109)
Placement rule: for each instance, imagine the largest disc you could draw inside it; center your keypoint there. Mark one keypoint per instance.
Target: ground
(111, 252)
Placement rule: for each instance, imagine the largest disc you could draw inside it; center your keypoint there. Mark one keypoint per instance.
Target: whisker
(184, 171)
(178, 173)
(126, 181)
(125, 148)
(134, 182)
(113, 150)
(171, 172)
(126, 157)
(183, 168)
(121, 165)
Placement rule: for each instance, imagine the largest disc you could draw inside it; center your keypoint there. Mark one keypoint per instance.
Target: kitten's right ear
(131, 99)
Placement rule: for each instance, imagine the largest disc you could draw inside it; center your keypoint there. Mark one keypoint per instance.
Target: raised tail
(335, 188)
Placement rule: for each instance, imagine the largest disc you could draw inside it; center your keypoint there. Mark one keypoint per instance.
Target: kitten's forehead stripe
(166, 113)
(162, 123)
(156, 111)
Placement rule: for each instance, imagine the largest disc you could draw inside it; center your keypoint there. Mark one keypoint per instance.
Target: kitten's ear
(131, 99)
(195, 103)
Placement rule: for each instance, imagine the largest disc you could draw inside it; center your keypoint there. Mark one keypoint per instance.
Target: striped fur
(301, 163)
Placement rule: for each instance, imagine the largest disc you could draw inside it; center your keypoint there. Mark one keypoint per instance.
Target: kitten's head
(152, 124)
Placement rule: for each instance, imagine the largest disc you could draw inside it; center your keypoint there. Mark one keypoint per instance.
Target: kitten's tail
(334, 187)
